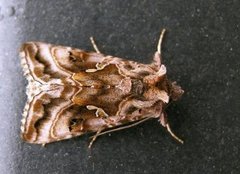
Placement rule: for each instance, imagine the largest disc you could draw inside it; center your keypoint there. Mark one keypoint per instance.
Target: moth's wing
(55, 64)
(50, 114)
(40, 113)
(58, 107)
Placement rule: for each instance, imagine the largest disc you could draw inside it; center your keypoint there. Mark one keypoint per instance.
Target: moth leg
(157, 57)
(122, 127)
(164, 123)
(94, 138)
(94, 45)
(172, 134)
(99, 111)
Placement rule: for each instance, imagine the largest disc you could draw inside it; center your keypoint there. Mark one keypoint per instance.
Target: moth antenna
(159, 46)
(94, 45)
(157, 57)
(116, 129)
(173, 135)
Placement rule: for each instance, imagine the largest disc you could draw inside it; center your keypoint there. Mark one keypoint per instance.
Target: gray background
(200, 50)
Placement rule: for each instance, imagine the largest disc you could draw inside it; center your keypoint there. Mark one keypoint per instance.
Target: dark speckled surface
(201, 51)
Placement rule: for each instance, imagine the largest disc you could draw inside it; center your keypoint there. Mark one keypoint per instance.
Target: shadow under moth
(72, 92)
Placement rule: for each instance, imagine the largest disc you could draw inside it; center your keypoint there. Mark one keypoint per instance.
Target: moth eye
(140, 111)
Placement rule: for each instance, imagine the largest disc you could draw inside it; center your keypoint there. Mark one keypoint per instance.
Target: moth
(71, 92)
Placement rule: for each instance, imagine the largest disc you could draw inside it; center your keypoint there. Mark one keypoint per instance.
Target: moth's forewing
(60, 90)
(50, 113)
(71, 92)
(45, 118)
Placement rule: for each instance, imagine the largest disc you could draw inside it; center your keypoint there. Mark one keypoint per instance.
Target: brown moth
(72, 92)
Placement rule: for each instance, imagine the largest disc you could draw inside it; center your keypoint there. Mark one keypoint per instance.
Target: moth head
(160, 88)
